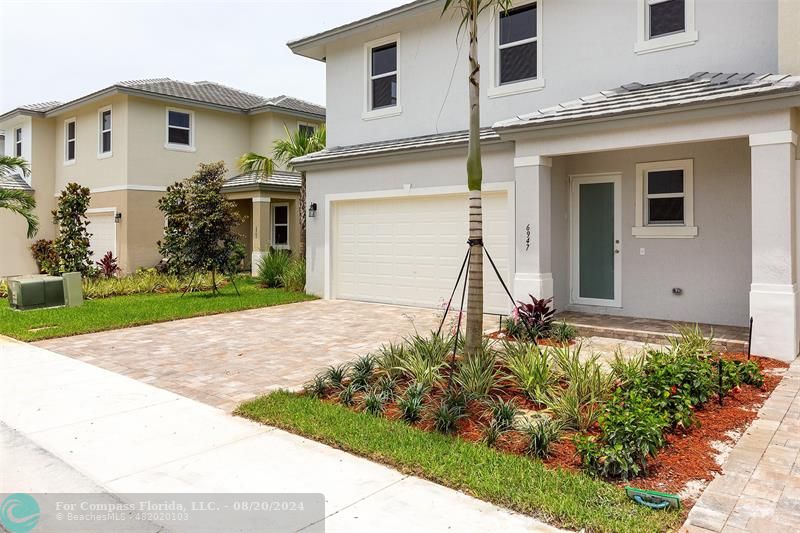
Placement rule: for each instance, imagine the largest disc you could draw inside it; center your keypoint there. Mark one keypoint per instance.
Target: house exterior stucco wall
(433, 169)
(266, 128)
(597, 36)
(219, 136)
(713, 269)
(88, 168)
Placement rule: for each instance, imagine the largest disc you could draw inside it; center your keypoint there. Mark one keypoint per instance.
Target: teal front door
(596, 248)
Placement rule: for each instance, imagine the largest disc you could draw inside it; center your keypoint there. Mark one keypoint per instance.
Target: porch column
(773, 293)
(532, 232)
(262, 236)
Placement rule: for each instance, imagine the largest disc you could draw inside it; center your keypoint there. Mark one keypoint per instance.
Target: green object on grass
(653, 499)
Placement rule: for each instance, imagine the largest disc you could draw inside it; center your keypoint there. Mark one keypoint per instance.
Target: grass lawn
(560, 497)
(136, 310)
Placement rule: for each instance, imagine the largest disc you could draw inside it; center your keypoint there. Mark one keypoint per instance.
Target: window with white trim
(180, 124)
(665, 24)
(70, 136)
(18, 142)
(517, 44)
(664, 199)
(280, 226)
(383, 76)
(104, 138)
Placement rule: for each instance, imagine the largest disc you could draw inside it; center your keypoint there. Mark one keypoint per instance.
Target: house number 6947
(527, 237)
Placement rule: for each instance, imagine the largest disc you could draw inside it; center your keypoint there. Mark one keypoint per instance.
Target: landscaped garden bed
(651, 420)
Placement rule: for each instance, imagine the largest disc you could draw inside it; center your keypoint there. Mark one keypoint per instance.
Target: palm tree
(15, 200)
(295, 144)
(469, 11)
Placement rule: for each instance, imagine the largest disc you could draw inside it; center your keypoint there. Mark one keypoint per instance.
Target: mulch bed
(688, 456)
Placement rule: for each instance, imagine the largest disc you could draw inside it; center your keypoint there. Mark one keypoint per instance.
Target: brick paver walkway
(223, 360)
(759, 490)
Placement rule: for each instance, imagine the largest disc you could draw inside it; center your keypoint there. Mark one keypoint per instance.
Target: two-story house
(639, 159)
(128, 142)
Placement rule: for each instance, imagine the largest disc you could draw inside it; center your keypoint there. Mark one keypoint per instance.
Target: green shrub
(491, 432)
(503, 412)
(572, 409)
(541, 432)
(531, 368)
(387, 385)
(374, 402)
(586, 376)
(691, 341)
(628, 369)
(391, 358)
(3, 289)
(317, 387)
(294, 276)
(347, 395)
(411, 402)
(563, 332)
(632, 432)
(272, 267)
(446, 416)
(46, 256)
(477, 374)
(434, 349)
(362, 370)
(145, 281)
(751, 374)
(336, 374)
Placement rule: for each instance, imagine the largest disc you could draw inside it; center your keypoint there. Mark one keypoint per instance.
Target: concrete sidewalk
(70, 426)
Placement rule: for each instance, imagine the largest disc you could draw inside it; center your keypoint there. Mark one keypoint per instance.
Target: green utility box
(73, 289)
(35, 292)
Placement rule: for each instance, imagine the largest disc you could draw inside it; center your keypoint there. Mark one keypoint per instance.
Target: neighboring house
(128, 142)
(623, 173)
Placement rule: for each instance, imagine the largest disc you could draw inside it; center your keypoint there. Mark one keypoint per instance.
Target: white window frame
(100, 131)
(307, 125)
(74, 141)
(192, 128)
(389, 111)
(675, 231)
(645, 44)
(516, 87)
(18, 138)
(273, 225)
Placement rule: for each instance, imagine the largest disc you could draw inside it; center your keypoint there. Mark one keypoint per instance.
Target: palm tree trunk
(302, 213)
(474, 331)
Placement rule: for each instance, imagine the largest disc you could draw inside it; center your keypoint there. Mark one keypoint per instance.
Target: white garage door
(408, 250)
(104, 234)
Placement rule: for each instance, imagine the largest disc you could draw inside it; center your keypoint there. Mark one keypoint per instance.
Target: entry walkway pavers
(759, 490)
(93, 429)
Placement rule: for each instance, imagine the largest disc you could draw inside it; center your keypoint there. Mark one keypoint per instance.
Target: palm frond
(298, 144)
(23, 204)
(8, 164)
(252, 162)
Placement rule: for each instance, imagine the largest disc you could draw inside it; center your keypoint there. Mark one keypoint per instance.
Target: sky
(64, 49)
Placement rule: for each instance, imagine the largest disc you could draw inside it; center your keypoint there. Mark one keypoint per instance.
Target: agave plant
(531, 368)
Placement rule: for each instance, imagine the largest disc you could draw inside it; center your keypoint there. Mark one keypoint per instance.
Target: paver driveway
(225, 359)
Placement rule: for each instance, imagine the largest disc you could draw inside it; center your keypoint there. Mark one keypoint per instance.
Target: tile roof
(703, 88)
(14, 181)
(202, 92)
(425, 142)
(280, 179)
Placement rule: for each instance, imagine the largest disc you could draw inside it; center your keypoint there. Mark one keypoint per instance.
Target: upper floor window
(382, 78)
(516, 61)
(70, 135)
(180, 129)
(664, 199)
(104, 148)
(306, 129)
(18, 142)
(665, 24)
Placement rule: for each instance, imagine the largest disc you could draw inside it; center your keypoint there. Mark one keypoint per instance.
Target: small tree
(173, 247)
(206, 220)
(72, 244)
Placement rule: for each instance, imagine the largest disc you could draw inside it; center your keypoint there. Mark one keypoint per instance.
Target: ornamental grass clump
(477, 375)
(503, 412)
(542, 432)
(374, 402)
(336, 374)
(530, 367)
(272, 268)
(362, 370)
(412, 402)
(492, 432)
(446, 416)
(347, 395)
(317, 387)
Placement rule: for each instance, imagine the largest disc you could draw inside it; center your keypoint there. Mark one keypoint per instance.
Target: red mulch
(686, 457)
